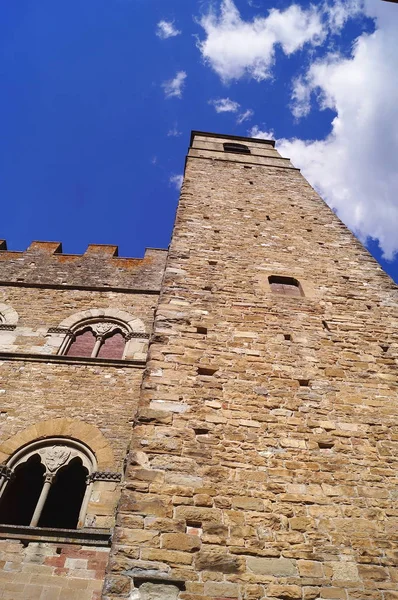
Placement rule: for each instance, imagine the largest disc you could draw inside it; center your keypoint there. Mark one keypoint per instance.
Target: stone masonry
(43, 394)
(246, 443)
(264, 455)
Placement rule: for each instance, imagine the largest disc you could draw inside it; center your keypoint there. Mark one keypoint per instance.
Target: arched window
(49, 485)
(237, 148)
(102, 339)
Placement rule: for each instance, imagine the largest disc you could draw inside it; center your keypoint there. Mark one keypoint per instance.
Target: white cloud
(176, 180)
(256, 132)
(166, 29)
(355, 168)
(247, 114)
(338, 12)
(174, 132)
(173, 87)
(234, 47)
(225, 105)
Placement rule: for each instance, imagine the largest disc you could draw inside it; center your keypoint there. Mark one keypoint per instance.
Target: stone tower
(264, 456)
(263, 459)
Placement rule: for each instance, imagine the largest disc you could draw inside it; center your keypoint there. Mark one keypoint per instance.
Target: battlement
(43, 263)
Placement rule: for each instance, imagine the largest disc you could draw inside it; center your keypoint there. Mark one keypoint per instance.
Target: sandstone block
(285, 592)
(278, 567)
(310, 568)
(180, 541)
(218, 561)
(221, 590)
(154, 591)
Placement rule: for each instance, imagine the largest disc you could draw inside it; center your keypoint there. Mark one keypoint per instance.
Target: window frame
(40, 447)
(100, 334)
(236, 148)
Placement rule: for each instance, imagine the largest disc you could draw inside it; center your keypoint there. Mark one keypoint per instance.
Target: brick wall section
(40, 391)
(106, 397)
(49, 307)
(264, 462)
(43, 571)
(44, 263)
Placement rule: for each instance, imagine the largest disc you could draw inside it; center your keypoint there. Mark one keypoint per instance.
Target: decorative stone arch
(72, 429)
(132, 328)
(57, 442)
(8, 316)
(130, 321)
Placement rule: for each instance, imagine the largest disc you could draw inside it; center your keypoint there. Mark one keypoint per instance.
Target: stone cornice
(86, 536)
(72, 360)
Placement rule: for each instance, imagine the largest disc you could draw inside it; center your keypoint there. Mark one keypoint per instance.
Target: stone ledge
(87, 288)
(72, 360)
(86, 537)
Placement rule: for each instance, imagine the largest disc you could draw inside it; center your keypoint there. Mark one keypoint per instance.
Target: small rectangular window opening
(202, 330)
(206, 371)
(287, 337)
(236, 148)
(286, 286)
(304, 382)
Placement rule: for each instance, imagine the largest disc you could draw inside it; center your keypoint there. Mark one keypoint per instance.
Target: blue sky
(99, 98)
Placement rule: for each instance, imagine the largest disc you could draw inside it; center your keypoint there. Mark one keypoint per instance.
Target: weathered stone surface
(267, 422)
(285, 592)
(278, 567)
(154, 591)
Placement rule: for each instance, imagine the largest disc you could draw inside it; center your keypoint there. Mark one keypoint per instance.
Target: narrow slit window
(286, 286)
(236, 148)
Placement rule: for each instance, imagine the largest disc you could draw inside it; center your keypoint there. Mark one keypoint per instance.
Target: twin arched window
(103, 339)
(48, 485)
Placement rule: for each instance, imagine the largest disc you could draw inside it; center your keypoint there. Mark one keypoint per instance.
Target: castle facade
(218, 421)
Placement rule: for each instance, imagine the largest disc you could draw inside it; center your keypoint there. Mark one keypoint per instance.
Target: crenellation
(43, 263)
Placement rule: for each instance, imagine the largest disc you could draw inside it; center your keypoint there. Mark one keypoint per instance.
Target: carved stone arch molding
(131, 322)
(66, 428)
(132, 328)
(8, 316)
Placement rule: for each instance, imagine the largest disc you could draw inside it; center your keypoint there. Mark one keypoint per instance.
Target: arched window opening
(64, 501)
(237, 148)
(83, 344)
(22, 493)
(112, 346)
(49, 485)
(101, 339)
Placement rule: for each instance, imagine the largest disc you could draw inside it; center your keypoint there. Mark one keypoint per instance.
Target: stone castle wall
(264, 462)
(43, 293)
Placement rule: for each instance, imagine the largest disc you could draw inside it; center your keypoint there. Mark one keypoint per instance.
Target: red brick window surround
(285, 286)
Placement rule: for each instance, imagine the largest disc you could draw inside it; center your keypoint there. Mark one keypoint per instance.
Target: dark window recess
(287, 337)
(206, 371)
(268, 218)
(65, 498)
(202, 330)
(287, 286)
(201, 431)
(304, 382)
(83, 344)
(22, 493)
(237, 148)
